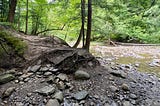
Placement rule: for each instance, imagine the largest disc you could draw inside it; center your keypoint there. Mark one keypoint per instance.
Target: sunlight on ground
(143, 56)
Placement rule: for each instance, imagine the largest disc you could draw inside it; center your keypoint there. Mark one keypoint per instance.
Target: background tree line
(119, 20)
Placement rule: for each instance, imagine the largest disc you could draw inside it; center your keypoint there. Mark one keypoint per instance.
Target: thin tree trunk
(79, 38)
(83, 20)
(19, 22)
(12, 8)
(89, 25)
(26, 30)
(82, 33)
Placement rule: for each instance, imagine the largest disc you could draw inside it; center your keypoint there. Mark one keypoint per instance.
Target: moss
(15, 43)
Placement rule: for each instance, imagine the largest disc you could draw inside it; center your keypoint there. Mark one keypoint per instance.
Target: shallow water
(139, 55)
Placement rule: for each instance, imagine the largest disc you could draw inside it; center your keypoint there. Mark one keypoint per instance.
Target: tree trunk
(83, 20)
(26, 30)
(89, 25)
(79, 39)
(82, 33)
(12, 8)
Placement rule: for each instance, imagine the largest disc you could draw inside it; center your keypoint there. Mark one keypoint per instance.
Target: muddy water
(142, 56)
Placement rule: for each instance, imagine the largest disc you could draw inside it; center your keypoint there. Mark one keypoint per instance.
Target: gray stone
(127, 103)
(35, 68)
(50, 79)
(61, 85)
(133, 96)
(25, 75)
(44, 69)
(52, 69)
(29, 94)
(125, 87)
(114, 104)
(113, 88)
(80, 95)
(52, 102)
(47, 73)
(62, 77)
(4, 78)
(118, 73)
(27, 79)
(8, 92)
(47, 90)
(19, 104)
(155, 103)
(92, 104)
(59, 96)
(81, 75)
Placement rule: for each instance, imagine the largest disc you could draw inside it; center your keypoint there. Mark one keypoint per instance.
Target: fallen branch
(51, 30)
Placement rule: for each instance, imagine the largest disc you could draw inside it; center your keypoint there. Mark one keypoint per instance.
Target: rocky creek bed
(121, 85)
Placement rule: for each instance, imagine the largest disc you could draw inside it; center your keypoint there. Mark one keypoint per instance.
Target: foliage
(121, 20)
(15, 43)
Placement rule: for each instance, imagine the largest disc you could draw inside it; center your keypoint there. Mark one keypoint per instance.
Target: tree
(89, 25)
(82, 31)
(26, 30)
(12, 8)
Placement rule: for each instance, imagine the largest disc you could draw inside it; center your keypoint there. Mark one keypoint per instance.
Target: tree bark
(26, 30)
(12, 8)
(83, 20)
(79, 39)
(82, 33)
(89, 25)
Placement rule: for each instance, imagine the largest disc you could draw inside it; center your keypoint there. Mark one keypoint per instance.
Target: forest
(79, 52)
(118, 20)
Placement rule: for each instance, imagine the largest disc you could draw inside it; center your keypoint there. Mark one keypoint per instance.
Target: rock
(80, 95)
(61, 85)
(118, 73)
(44, 69)
(155, 103)
(133, 96)
(25, 75)
(81, 75)
(27, 79)
(52, 69)
(34, 68)
(106, 104)
(114, 104)
(19, 104)
(16, 81)
(127, 103)
(47, 73)
(29, 94)
(4, 78)
(47, 90)
(125, 87)
(137, 65)
(113, 88)
(8, 92)
(59, 96)
(12, 71)
(92, 104)
(52, 102)
(62, 77)
(50, 79)
(82, 102)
